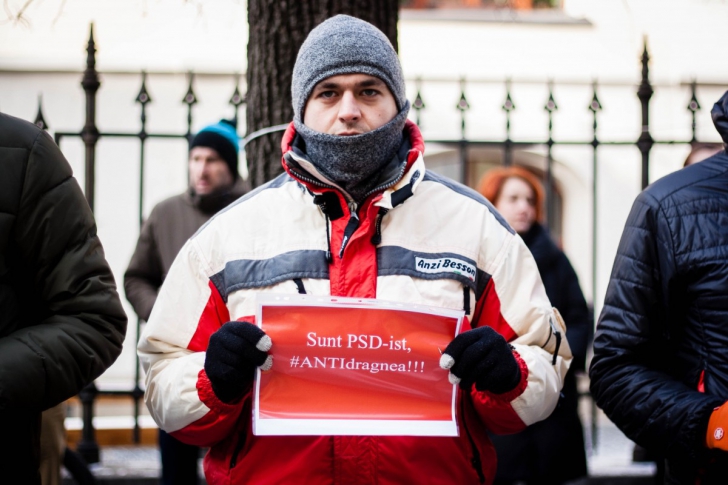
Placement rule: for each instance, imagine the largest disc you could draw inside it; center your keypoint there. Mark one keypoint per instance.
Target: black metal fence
(90, 136)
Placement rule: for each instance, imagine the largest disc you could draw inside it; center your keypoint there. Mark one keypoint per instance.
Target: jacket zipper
(312, 181)
(318, 183)
(351, 227)
(238, 448)
(354, 221)
(475, 461)
(389, 184)
(377, 237)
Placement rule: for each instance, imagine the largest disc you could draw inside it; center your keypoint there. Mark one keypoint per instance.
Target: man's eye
(370, 92)
(327, 94)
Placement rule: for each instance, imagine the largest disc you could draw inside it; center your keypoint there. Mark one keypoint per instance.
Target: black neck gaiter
(354, 162)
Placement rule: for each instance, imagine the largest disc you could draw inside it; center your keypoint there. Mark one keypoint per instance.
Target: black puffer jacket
(61, 320)
(664, 325)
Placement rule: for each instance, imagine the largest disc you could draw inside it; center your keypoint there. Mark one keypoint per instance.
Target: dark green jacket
(61, 321)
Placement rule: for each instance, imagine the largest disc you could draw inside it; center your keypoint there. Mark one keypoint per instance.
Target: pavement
(609, 460)
(609, 452)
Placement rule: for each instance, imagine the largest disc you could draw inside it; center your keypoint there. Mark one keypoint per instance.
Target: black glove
(233, 353)
(481, 356)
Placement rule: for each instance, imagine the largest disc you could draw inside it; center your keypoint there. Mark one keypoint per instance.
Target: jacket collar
(301, 169)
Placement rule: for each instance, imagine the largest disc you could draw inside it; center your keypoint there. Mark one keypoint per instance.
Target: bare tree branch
(8, 12)
(19, 16)
(58, 15)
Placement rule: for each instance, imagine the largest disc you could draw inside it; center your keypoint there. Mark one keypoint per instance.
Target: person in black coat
(61, 320)
(660, 366)
(552, 451)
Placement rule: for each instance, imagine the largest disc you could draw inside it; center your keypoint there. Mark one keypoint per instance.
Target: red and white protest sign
(345, 366)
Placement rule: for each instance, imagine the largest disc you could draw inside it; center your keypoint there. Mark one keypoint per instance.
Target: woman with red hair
(551, 451)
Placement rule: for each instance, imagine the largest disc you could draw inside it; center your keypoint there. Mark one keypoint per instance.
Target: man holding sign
(355, 215)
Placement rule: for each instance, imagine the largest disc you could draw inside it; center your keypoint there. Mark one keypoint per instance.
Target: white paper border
(353, 427)
(350, 427)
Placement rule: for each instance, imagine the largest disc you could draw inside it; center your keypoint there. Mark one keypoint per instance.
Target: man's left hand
(482, 357)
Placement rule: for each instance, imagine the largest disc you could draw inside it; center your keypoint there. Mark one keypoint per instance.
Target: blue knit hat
(223, 138)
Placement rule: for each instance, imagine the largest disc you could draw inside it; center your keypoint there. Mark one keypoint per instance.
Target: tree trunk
(277, 30)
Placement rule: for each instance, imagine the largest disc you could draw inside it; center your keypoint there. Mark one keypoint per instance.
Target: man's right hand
(717, 435)
(233, 353)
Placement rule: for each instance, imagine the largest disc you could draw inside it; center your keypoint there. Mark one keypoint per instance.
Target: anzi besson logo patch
(446, 265)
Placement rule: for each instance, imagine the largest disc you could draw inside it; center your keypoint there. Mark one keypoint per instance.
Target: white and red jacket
(297, 232)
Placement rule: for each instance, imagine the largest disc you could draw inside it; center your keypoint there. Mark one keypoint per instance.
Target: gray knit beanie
(345, 45)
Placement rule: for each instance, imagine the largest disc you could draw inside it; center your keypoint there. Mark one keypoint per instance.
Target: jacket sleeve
(629, 377)
(143, 277)
(172, 351)
(82, 324)
(515, 304)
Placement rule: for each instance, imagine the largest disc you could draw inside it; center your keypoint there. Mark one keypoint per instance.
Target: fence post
(595, 107)
(644, 93)
(694, 107)
(87, 446)
(90, 133)
(550, 108)
(463, 106)
(508, 106)
(143, 98)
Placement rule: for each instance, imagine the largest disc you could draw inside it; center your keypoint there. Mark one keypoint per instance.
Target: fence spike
(40, 121)
(694, 105)
(644, 93)
(551, 105)
(463, 104)
(237, 99)
(143, 97)
(595, 106)
(508, 104)
(91, 49)
(190, 97)
(418, 104)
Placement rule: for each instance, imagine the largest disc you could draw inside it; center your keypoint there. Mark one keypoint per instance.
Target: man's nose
(349, 108)
(204, 167)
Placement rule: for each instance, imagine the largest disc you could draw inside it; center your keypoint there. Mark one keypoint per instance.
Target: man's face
(208, 171)
(349, 104)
